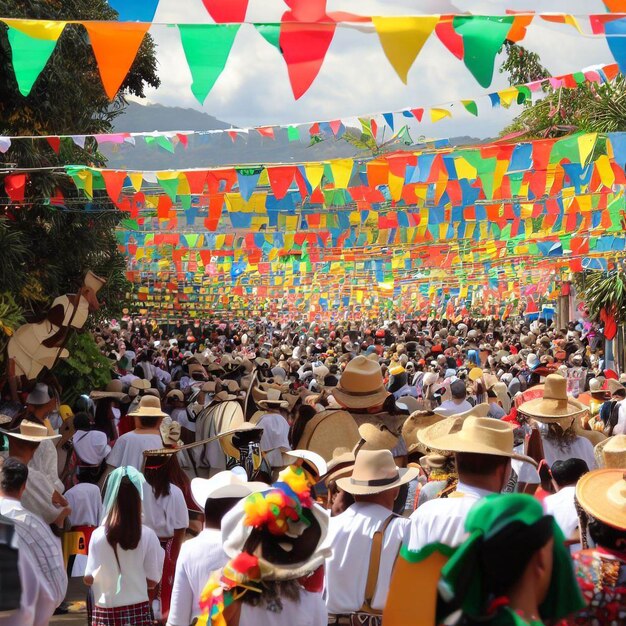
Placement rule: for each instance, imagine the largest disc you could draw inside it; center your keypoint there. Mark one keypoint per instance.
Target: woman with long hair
(166, 513)
(104, 419)
(125, 558)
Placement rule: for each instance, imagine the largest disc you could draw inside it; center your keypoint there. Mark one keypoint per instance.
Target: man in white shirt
(458, 403)
(375, 484)
(204, 554)
(42, 548)
(483, 449)
(129, 448)
(561, 505)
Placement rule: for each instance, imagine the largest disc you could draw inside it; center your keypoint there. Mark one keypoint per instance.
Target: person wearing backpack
(25, 598)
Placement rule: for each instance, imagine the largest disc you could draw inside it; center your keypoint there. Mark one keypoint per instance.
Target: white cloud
(356, 78)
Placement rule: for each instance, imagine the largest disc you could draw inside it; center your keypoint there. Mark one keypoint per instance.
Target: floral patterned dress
(602, 578)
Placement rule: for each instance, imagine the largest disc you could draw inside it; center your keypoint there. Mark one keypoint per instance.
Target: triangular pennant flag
(15, 187)
(115, 46)
(114, 183)
(449, 37)
(314, 173)
(207, 47)
(483, 37)
(304, 47)
(418, 114)
(32, 43)
(615, 6)
(438, 114)
(226, 11)
(280, 180)
(389, 119)
(402, 39)
(247, 179)
(271, 34)
(135, 10)
(470, 106)
(55, 143)
(616, 39)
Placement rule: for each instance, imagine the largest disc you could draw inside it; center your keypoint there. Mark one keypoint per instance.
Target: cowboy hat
(30, 431)
(377, 437)
(309, 460)
(340, 464)
(375, 471)
(555, 405)
(473, 435)
(613, 385)
(361, 385)
(273, 400)
(480, 410)
(414, 425)
(475, 373)
(223, 396)
(149, 406)
(611, 453)
(227, 442)
(602, 494)
(227, 484)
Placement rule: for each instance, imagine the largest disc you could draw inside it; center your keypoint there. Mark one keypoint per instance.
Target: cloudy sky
(356, 78)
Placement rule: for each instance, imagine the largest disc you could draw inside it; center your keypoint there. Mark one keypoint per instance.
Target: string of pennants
(370, 123)
(474, 213)
(302, 38)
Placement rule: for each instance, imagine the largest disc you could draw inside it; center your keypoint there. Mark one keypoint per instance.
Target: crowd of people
(259, 472)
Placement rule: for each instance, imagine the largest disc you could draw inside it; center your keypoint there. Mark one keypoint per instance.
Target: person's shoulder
(148, 535)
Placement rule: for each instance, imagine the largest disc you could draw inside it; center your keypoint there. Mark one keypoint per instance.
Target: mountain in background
(215, 149)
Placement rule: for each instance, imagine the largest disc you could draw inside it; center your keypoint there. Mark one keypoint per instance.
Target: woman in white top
(125, 558)
(165, 511)
(91, 447)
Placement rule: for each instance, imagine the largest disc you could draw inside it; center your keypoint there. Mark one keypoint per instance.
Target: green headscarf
(462, 578)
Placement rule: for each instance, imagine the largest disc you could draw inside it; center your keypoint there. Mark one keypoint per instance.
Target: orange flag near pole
(115, 46)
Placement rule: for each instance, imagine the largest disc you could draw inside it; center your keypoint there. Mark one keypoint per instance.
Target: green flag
(206, 47)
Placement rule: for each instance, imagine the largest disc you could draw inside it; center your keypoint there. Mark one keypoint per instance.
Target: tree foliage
(522, 66)
(603, 291)
(47, 248)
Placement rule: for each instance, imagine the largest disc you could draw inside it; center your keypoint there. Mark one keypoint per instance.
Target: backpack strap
(374, 566)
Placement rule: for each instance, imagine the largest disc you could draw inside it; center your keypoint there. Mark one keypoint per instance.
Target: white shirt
(143, 563)
(86, 503)
(561, 506)
(165, 514)
(129, 449)
(526, 472)
(46, 461)
(450, 407)
(37, 497)
(620, 427)
(309, 611)
(91, 446)
(580, 448)
(42, 546)
(36, 603)
(350, 537)
(197, 559)
(443, 520)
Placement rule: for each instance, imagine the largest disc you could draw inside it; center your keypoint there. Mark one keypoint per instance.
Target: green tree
(521, 65)
(46, 248)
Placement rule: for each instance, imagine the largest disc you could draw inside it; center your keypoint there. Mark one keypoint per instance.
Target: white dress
(165, 514)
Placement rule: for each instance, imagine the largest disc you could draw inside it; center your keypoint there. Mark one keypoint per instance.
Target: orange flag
(115, 46)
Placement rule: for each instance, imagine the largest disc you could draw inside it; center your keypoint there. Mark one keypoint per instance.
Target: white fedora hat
(227, 484)
(30, 431)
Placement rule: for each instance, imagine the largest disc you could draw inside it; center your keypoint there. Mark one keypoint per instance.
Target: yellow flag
(438, 114)
(586, 144)
(136, 179)
(402, 39)
(342, 171)
(38, 29)
(314, 173)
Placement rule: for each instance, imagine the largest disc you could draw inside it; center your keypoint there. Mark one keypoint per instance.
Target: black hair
(13, 475)
(479, 464)
(215, 509)
(305, 413)
(149, 421)
(620, 393)
(569, 471)
(82, 421)
(606, 536)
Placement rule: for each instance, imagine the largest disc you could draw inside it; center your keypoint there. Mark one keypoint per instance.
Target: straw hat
(602, 494)
(273, 400)
(5, 419)
(361, 385)
(475, 373)
(149, 406)
(613, 385)
(311, 461)
(340, 465)
(502, 392)
(223, 396)
(375, 471)
(480, 410)
(473, 435)
(140, 384)
(30, 431)
(555, 405)
(227, 441)
(170, 433)
(377, 437)
(416, 423)
(227, 484)
(611, 453)
(176, 394)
